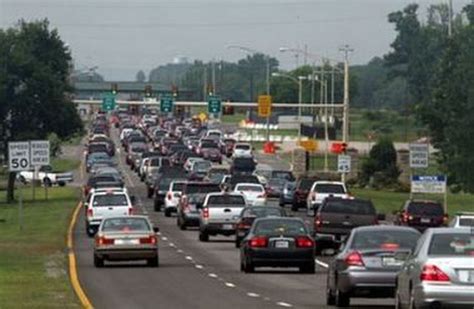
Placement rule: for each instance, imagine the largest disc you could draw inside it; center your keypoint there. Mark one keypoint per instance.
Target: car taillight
(205, 213)
(317, 222)
(90, 212)
(169, 196)
(258, 242)
(101, 241)
(304, 242)
(405, 216)
(354, 259)
(150, 240)
(433, 273)
(130, 211)
(390, 246)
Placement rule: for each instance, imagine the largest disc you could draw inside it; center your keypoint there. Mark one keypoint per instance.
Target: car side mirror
(156, 229)
(381, 217)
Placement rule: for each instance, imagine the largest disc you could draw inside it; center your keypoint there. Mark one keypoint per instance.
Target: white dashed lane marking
(229, 285)
(283, 304)
(322, 264)
(212, 275)
(252, 294)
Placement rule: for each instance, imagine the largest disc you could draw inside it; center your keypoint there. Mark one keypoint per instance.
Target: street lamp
(298, 80)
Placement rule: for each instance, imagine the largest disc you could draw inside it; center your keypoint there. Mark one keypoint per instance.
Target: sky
(121, 37)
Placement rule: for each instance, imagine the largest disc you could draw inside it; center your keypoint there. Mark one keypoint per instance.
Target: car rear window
(242, 147)
(201, 188)
(384, 240)
(164, 184)
(249, 188)
(94, 180)
(227, 200)
(280, 227)
(306, 183)
(178, 186)
(452, 244)
(466, 222)
(260, 212)
(201, 165)
(286, 175)
(346, 206)
(125, 224)
(430, 209)
(209, 145)
(330, 188)
(110, 200)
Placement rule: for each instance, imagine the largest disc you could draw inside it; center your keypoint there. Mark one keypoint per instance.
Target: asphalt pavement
(194, 274)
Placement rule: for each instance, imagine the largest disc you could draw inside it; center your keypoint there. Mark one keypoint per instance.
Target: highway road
(193, 274)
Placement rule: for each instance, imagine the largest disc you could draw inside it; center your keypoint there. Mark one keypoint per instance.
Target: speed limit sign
(18, 156)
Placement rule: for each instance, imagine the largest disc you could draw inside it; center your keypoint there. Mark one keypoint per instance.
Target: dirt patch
(55, 266)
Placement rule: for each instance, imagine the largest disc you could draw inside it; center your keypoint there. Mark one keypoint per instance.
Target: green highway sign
(108, 102)
(214, 104)
(166, 104)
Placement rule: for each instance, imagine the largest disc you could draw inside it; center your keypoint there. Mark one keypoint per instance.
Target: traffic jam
(214, 186)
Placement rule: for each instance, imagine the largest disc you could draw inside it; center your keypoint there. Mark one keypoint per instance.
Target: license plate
(281, 244)
(424, 220)
(228, 226)
(126, 242)
(466, 275)
(391, 261)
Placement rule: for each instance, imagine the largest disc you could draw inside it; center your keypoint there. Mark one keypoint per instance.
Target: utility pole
(267, 77)
(204, 83)
(300, 100)
(346, 49)
(213, 77)
(450, 22)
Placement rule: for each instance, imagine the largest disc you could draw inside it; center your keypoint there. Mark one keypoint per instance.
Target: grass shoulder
(34, 260)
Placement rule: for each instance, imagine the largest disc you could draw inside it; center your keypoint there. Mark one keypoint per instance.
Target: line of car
(434, 269)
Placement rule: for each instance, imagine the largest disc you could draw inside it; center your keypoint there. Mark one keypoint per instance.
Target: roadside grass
(387, 202)
(34, 271)
(64, 165)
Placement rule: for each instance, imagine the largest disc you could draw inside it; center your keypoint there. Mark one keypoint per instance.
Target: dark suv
(302, 187)
(422, 214)
(336, 217)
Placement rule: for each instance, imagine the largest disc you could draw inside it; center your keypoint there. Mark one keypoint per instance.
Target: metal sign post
(19, 160)
(39, 156)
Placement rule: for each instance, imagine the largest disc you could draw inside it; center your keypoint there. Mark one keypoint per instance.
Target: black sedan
(249, 215)
(368, 264)
(278, 242)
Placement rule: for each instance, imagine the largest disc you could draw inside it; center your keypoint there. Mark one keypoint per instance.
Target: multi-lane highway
(195, 274)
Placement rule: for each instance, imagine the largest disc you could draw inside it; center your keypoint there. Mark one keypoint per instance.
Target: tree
(141, 77)
(34, 86)
(381, 164)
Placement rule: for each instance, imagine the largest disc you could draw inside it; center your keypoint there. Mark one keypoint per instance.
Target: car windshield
(110, 200)
(452, 244)
(277, 182)
(125, 225)
(280, 227)
(248, 188)
(346, 206)
(209, 145)
(260, 212)
(227, 200)
(384, 239)
(329, 188)
(430, 209)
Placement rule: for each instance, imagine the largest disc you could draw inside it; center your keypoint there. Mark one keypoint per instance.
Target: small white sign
(343, 163)
(39, 151)
(428, 184)
(419, 155)
(18, 156)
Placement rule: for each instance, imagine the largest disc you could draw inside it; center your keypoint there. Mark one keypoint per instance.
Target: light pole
(251, 51)
(345, 129)
(299, 81)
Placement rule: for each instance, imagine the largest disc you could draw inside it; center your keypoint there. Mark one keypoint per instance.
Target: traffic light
(175, 90)
(148, 91)
(179, 109)
(114, 88)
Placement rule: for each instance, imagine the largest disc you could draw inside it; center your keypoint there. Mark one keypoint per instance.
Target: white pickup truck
(46, 176)
(219, 214)
(322, 189)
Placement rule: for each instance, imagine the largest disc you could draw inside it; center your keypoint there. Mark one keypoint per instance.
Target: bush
(54, 145)
(380, 168)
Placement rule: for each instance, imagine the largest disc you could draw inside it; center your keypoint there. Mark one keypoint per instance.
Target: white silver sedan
(254, 194)
(440, 272)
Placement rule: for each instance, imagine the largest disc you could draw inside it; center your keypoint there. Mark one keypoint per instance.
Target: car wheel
(47, 182)
(330, 299)
(308, 268)
(182, 225)
(142, 178)
(248, 267)
(342, 299)
(61, 183)
(203, 236)
(149, 193)
(167, 212)
(153, 262)
(98, 262)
